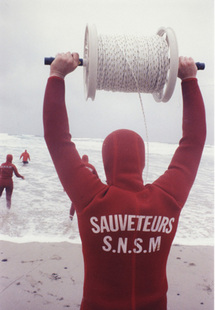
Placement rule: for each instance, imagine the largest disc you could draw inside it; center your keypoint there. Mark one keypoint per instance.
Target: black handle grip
(200, 65)
(49, 60)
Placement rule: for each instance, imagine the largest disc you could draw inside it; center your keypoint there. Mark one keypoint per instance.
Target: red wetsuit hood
(123, 154)
(9, 158)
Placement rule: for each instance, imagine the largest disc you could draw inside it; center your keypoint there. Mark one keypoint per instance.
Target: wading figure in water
(25, 157)
(6, 178)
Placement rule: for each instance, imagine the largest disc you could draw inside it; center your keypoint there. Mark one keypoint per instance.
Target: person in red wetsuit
(89, 166)
(126, 227)
(6, 182)
(25, 157)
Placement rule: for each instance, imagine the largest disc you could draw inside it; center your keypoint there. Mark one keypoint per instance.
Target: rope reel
(130, 63)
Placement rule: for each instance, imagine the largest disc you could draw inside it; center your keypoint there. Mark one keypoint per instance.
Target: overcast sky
(33, 29)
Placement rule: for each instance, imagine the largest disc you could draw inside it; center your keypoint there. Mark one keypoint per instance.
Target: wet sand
(50, 276)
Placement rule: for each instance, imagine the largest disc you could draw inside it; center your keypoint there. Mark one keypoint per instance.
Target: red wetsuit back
(126, 227)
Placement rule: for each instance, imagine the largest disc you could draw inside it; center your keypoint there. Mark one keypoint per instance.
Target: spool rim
(173, 70)
(90, 56)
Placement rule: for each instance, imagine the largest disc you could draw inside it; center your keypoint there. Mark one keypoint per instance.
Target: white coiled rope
(132, 63)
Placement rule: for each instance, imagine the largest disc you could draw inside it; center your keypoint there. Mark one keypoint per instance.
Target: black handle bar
(49, 60)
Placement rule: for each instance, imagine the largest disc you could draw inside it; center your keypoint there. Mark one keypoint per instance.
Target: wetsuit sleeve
(17, 174)
(178, 179)
(80, 184)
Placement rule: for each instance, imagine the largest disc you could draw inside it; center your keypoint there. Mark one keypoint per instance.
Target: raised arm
(79, 183)
(178, 179)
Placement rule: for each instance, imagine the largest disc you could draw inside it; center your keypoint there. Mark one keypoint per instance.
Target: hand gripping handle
(49, 60)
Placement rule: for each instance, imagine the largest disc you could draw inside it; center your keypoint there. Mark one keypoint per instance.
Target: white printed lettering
(123, 221)
(131, 223)
(138, 246)
(153, 244)
(104, 224)
(140, 221)
(122, 245)
(94, 219)
(164, 223)
(170, 225)
(106, 241)
(111, 223)
(147, 223)
(157, 222)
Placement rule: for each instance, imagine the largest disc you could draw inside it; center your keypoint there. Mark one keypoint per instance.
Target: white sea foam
(40, 207)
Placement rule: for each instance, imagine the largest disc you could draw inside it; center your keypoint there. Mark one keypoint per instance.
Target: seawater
(40, 207)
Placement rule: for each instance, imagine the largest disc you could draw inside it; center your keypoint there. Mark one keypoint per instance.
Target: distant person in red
(85, 161)
(6, 181)
(25, 157)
